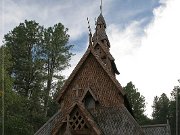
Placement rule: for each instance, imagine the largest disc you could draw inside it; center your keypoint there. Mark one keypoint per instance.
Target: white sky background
(149, 60)
(154, 68)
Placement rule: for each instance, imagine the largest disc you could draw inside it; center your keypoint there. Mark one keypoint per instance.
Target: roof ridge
(155, 125)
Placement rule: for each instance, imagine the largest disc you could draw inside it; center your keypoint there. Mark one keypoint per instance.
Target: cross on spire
(76, 89)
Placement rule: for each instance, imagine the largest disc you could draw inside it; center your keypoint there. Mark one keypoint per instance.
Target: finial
(90, 34)
(95, 20)
(89, 27)
(101, 7)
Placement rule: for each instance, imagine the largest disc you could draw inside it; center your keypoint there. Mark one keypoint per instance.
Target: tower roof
(101, 21)
(100, 33)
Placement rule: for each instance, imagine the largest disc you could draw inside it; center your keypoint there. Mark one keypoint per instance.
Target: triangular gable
(68, 81)
(92, 94)
(86, 115)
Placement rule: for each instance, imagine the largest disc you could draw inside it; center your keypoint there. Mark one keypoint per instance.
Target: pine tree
(38, 55)
(137, 102)
(161, 109)
(15, 107)
(172, 111)
(56, 57)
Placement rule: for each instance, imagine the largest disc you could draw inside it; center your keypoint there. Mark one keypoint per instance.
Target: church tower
(92, 101)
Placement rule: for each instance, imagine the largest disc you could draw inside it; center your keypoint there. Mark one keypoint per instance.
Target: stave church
(92, 101)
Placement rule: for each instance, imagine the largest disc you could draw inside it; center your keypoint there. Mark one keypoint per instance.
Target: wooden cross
(76, 89)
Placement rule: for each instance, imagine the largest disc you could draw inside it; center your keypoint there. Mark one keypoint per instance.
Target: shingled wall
(91, 74)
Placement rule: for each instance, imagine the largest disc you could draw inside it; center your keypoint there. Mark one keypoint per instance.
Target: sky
(144, 36)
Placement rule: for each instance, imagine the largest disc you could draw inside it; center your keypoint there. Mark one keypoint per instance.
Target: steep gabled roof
(116, 121)
(83, 59)
(52, 123)
(55, 122)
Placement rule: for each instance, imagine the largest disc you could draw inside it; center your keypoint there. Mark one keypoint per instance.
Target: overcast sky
(144, 35)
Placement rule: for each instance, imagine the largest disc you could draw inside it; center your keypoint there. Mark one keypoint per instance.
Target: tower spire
(100, 31)
(101, 7)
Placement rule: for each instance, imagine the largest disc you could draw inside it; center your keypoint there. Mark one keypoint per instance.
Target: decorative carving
(76, 89)
(77, 121)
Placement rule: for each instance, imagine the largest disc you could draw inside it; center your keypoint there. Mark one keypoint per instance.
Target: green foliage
(172, 111)
(14, 105)
(23, 42)
(16, 115)
(160, 109)
(165, 109)
(56, 57)
(33, 58)
(137, 102)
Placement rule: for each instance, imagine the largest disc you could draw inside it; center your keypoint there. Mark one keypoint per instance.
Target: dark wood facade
(92, 101)
(91, 88)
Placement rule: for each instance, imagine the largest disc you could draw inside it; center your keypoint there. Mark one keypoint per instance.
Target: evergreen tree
(56, 57)
(161, 109)
(15, 107)
(37, 55)
(172, 111)
(137, 102)
(24, 45)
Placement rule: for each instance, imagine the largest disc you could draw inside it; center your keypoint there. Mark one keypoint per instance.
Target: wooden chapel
(92, 101)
